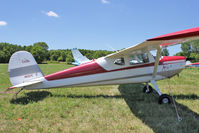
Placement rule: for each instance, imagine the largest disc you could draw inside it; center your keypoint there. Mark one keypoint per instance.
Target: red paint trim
(177, 35)
(172, 58)
(94, 68)
(167, 44)
(10, 88)
(81, 70)
(194, 63)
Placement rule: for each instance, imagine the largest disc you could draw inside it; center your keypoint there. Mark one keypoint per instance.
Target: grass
(116, 108)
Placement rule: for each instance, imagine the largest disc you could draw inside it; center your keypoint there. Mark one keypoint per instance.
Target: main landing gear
(163, 98)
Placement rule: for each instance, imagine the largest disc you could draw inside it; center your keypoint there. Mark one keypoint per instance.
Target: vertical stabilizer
(23, 67)
(79, 58)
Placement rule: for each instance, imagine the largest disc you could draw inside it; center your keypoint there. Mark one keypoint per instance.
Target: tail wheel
(164, 99)
(148, 89)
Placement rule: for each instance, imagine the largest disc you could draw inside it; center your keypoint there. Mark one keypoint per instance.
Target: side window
(138, 59)
(119, 61)
(134, 60)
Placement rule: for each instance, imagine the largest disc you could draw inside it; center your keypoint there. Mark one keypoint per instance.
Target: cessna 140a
(131, 65)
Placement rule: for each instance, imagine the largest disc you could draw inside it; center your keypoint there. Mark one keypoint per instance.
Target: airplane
(189, 64)
(79, 58)
(131, 65)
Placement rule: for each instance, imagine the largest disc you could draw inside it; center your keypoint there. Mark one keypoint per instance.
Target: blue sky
(94, 24)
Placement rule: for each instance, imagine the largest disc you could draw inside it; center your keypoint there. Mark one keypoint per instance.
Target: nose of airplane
(172, 65)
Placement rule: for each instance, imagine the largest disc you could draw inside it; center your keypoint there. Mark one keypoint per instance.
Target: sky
(94, 24)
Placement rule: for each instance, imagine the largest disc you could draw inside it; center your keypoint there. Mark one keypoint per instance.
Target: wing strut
(158, 54)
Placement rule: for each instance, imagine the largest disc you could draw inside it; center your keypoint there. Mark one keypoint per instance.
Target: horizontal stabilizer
(24, 84)
(28, 83)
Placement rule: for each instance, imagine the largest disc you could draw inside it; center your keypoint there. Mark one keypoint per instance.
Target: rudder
(23, 67)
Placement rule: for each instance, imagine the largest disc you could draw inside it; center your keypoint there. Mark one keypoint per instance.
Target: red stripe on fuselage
(94, 68)
(172, 58)
(81, 70)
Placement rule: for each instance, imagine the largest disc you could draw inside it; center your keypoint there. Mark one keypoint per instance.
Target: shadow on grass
(191, 97)
(160, 118)
(87, 96)
(36, 96)
(29, 97)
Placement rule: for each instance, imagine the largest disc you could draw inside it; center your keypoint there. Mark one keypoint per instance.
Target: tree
(69, 57)
(41, 44)
(186, 47)
(195, 46)
(62, 56)
(165, 52)
(54, 55)
(180, 54)
(39, 54)
(39, 51)
(28, 48)
(190, 50)
(6, 50)
(2, 57)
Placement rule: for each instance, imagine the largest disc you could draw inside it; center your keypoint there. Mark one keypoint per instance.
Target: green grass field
(116, 108)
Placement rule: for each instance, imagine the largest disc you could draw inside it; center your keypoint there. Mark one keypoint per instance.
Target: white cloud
(3, 23)
(52, 14)
(105, 1)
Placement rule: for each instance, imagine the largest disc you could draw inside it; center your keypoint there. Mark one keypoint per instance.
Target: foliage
(41, 53)
(190, 50)
(165, 52)
(6, 50)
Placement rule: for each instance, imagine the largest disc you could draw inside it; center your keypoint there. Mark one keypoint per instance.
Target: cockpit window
(119, 61)
(138, 59)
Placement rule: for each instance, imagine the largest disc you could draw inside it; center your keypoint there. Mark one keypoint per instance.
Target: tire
(147, 91)
(164, 99)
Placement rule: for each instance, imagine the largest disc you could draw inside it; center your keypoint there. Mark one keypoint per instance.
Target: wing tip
(177, 35)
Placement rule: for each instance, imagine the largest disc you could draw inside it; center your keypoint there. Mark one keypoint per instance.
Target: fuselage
(106, 72)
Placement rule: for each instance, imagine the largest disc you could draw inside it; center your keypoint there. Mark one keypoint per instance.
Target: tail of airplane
(79, 58)
(23, 68)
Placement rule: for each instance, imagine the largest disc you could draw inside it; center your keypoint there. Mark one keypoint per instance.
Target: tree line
(41, 53)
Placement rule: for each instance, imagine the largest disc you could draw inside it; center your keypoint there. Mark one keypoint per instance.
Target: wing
(160, 41)
(78, 57)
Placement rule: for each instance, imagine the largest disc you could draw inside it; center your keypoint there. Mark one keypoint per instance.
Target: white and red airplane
(189, 64)
(131, 65)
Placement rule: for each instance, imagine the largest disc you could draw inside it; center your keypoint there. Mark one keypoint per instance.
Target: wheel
(164, 99)
(149, 90)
